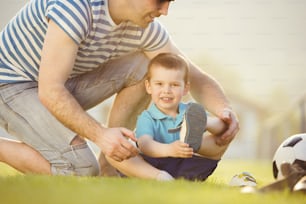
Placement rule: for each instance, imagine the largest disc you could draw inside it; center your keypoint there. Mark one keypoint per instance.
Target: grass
(17, 188)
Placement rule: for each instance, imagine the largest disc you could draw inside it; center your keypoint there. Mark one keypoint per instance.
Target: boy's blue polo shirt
(154, 123)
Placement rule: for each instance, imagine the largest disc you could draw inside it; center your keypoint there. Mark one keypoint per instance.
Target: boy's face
(146, 10)
(166, 87)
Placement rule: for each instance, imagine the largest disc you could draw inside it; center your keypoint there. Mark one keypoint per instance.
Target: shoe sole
(196, 119)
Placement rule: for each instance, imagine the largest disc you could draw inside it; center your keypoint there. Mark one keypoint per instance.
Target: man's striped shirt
(87, 22)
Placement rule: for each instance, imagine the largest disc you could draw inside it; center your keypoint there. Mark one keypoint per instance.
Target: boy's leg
(138, 167)
(193, 126)
(194, 169)
(210, 149)
(193, 132)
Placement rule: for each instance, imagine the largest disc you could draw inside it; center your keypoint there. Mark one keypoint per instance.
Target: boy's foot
(194, 125)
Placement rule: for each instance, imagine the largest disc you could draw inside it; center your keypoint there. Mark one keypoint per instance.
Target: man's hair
(169, 61)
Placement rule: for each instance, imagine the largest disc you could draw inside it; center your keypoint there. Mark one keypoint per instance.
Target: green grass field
(31, 189)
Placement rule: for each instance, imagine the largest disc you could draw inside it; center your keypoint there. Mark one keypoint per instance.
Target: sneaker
(293, 175)
(194, 125)
(243, 179)
(300, 186)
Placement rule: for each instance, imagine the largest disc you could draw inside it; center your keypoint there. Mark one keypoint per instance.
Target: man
(60, 58)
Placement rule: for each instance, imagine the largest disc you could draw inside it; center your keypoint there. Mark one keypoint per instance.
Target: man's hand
(114, 143)
(230, 119)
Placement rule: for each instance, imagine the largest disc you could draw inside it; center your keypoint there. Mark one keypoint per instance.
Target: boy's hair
(169, 61)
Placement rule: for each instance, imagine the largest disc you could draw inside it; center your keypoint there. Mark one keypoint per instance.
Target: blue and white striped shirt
(87, 22)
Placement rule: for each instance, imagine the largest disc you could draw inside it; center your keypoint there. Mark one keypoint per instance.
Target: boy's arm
(152, 148)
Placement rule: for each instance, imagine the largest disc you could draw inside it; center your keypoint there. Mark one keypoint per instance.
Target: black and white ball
(292, 150)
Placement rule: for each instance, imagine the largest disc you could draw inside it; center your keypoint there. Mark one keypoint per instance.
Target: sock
(164, 176)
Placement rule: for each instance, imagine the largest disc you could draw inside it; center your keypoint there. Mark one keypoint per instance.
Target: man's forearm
(67, 110)
(207, 91)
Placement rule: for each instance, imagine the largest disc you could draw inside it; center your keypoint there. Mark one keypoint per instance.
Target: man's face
(147, 10)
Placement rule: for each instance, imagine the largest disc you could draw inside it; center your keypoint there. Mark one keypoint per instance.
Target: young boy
(171, 133)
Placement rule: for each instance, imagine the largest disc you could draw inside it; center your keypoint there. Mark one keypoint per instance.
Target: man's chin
(143, 24)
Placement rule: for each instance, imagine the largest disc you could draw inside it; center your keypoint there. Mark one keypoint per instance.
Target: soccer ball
(292, 151)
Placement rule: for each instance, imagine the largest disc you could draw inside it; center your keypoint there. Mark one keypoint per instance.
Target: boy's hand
(180, 149)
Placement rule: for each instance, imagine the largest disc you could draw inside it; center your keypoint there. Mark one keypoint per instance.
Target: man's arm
(57, 61)
(207, 91)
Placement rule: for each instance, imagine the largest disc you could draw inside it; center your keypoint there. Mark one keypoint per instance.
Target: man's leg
(17, 154)
(107, 170)
(22, 157)
(128, 104)
(43, 137)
